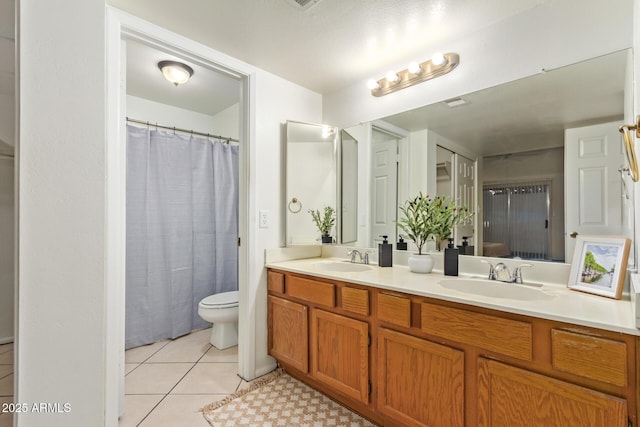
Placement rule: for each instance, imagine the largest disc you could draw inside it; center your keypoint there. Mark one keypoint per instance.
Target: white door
(384, 186)
(594, 189)
(465, 194)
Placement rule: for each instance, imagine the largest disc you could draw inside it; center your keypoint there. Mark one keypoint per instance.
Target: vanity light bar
(426, 70)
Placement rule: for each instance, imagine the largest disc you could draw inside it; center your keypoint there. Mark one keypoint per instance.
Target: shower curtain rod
(175, 129)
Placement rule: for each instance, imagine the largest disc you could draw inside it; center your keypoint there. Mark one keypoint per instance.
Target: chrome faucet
(517, 273)
(501, 272)
(364, 256)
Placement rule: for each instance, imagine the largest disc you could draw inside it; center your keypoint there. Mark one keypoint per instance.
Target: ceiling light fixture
(439, 65)
(176, 72)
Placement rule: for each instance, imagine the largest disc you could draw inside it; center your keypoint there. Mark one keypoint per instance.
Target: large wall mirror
(539, 160)
(312, 175)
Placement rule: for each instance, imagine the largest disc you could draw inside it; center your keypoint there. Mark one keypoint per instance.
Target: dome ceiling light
(176, 72)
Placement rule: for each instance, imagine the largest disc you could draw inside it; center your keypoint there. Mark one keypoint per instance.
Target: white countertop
(551, 301)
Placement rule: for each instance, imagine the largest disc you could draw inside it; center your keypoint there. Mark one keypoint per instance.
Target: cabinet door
(420, 383)
(340, 353)
(288, 325)
(514, 397)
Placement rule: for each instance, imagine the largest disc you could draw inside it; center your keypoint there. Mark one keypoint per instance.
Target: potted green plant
(324, 222)
(449, 216)
(423, 219)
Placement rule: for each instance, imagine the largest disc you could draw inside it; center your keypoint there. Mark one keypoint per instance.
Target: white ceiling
(333, 44)
(337, 43)
(208, 92)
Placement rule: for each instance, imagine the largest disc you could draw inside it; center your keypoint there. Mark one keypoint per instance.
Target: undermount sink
(342, 267)
(497, 289)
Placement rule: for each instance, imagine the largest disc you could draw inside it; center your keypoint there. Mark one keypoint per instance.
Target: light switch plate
(263, 220)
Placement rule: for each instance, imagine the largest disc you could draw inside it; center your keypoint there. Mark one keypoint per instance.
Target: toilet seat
(222, 300)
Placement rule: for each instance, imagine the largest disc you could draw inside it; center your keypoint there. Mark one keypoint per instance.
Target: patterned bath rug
(280, 400)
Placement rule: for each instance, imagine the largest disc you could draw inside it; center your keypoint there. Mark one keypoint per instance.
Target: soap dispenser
(451, 259)
(401, 245)
(385, 253)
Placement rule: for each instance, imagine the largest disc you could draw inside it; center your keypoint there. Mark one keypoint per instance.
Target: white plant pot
(420, 263)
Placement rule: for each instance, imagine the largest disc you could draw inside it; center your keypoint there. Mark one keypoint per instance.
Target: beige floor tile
(6, 347)
(6, 419)
(181, 410)
(136, 407)
(229, 355)
(210, 378)
(128, 367)
(5, 370)
(6, 358)
(142, 353)
(181, 350)
(201, 336)
(155, 378)
(6, 386)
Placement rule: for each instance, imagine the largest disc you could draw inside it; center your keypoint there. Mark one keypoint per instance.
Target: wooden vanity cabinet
(340, 353)
(288, 332)
(509, 397)
(405, 360)
(321, 329)
(419, 383)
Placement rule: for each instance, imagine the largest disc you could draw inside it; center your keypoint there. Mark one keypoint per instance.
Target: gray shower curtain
(182, 231)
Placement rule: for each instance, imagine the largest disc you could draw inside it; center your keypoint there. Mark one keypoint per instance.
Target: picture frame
(600, 265)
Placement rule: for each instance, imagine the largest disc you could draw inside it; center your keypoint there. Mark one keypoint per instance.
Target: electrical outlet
(263, 220)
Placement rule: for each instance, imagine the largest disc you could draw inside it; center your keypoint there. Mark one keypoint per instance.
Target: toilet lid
(224, 299)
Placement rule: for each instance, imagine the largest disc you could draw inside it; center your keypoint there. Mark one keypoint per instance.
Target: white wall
(168, 115)
(636, 111)
(7, 225)
(61, 269)
(548, 36)
(226, 123)
(277, 101)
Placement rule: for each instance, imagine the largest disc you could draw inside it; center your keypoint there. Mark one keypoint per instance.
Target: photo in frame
(600, 265)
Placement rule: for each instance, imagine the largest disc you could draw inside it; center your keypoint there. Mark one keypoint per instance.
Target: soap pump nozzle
(451, 243)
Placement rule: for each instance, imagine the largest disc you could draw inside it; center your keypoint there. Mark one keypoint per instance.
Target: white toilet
(221, 310)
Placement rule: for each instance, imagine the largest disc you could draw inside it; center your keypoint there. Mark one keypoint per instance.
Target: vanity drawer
(505, 336)
(355, 300)
(394, 309)
(311, 290)
(597, 358)
(275, 282)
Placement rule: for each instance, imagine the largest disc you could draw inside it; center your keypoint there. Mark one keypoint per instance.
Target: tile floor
(167, 382)
(6, 382)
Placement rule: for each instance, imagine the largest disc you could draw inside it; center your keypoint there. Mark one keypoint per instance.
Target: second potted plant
(324, 222)
(424, 219)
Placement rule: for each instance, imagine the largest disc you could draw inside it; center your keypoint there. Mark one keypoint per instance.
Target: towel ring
(293, 203)
(629, 148)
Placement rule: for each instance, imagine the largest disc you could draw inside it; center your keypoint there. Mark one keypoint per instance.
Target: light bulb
(392, 77)
(438, 59)
(373, 84)
(414, 68)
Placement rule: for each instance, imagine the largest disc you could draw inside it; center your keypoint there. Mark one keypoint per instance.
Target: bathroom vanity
(406, 349)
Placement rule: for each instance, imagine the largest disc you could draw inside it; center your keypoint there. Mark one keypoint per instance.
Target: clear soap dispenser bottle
(385, 253)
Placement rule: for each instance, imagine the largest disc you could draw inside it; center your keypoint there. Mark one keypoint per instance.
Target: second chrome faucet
(500, 272)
